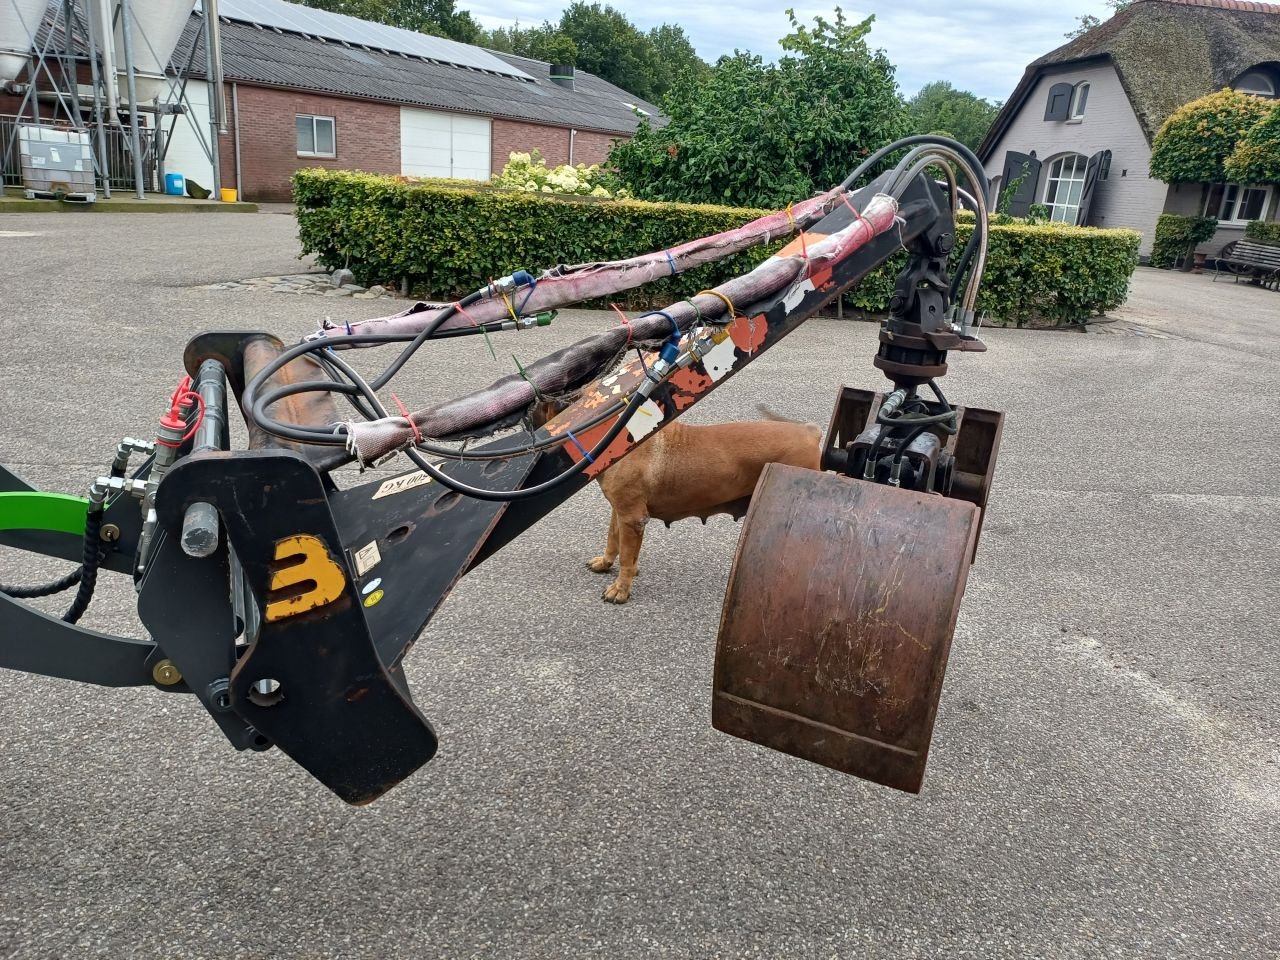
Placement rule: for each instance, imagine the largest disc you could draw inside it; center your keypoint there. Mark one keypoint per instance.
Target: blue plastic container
(174, 184)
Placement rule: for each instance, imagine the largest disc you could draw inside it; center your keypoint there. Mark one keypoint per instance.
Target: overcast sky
(979, 45)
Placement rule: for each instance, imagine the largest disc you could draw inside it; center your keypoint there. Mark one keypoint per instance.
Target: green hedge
(1054, 271)
(1264, 231)
(446, 237)
(1176, 236)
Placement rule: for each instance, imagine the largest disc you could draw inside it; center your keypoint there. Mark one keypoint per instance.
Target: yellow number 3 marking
(312, 577)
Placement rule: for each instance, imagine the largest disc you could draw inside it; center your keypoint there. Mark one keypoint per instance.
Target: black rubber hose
(527, 493)
(93, 554)
(920, 138)
(970, 248)
(450, 453)
(43, 589)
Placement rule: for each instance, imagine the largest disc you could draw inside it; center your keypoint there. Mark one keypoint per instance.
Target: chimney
(562, 75)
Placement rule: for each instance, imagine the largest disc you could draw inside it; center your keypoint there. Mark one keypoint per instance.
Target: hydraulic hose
(44, 589)
(360, 437)
(93, 554)
(527, 493)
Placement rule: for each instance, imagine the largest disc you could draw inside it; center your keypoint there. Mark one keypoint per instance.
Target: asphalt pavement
(1105, 774)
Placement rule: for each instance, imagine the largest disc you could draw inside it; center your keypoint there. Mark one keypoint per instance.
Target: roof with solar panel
(310, 22)
(279, 44)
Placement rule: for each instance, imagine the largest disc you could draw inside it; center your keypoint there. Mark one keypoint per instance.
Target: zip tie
(349, 333)
(625, 322)
(733, 311)
(510, 307)
(639, 352)
(697, 314)
(675, 327)
(417, 434)
(533, 285)
(581, 449)
(347, 430)
(671, 260)
(536, 395)
(857, 214)
(483, 332)
(804, 246)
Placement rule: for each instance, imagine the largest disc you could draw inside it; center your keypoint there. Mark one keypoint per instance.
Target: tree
(612, 47)
(1194, 143)
(439, 17)
(1256, 158)
(544, 43)
(674, 54)
(1087, 22)
(940, 108)
(756, 134)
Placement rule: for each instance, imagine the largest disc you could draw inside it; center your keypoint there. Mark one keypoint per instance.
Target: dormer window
(1255, 82)
(1079, 98)
(1067, 101)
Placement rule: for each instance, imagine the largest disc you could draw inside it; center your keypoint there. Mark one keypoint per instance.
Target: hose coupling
(104, 487)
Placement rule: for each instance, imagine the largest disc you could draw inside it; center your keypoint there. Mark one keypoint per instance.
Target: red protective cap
(174, 420)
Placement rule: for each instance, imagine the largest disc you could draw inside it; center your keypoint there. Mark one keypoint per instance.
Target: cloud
(982, 46)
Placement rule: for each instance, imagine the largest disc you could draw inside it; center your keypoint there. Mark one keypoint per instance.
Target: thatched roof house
(1078, 127)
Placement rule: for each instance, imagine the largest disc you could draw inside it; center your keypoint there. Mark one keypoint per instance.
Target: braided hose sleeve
(565, 285)
(92, 558)
(44, 589)
(581, 362)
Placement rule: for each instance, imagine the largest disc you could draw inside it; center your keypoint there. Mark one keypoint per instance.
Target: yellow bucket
(228, 194)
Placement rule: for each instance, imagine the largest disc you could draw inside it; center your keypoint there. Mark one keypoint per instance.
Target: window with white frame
(1079, 98)
(1064, 186)
(1240, 204)
(316, 136)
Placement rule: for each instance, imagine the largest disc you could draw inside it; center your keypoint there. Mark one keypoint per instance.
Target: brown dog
(688, 471)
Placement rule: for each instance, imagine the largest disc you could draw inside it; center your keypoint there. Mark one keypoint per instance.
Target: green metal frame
(35, 510)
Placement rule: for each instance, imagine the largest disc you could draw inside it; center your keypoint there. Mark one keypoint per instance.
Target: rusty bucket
(838, 619)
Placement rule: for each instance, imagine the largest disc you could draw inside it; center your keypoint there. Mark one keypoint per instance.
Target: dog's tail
(769, 414)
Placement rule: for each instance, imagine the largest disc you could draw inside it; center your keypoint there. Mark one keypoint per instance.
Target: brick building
(304, 87)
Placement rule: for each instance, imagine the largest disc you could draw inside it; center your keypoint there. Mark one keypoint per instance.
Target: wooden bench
(1260, 260)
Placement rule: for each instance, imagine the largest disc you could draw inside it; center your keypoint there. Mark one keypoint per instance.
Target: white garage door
(443, 145)
(185, 154)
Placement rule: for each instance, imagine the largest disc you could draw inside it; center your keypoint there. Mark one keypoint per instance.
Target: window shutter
(1092, 172)
(1024, 166)
(1059, 105)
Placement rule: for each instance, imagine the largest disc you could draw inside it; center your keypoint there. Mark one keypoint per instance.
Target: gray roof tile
(255, 55)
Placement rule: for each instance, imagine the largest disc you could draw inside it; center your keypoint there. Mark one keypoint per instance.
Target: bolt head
(109, 533)
(165, 673)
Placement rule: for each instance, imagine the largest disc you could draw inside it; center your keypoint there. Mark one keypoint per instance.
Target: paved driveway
(1105, 779)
